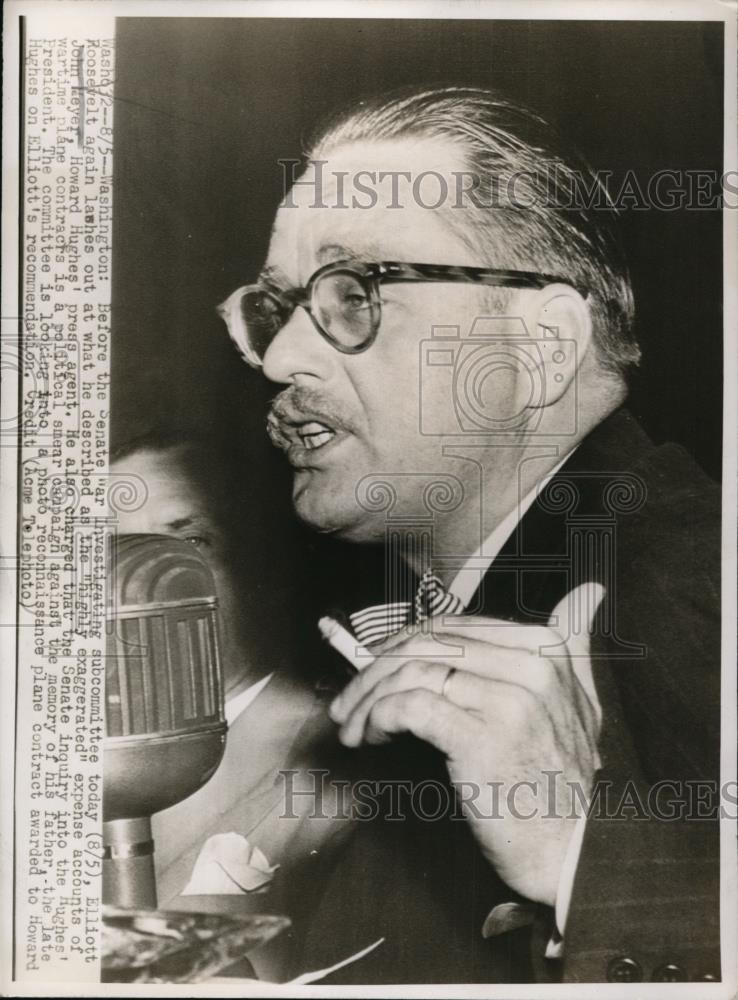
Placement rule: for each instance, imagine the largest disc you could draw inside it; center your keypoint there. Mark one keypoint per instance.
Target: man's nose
(298, 349)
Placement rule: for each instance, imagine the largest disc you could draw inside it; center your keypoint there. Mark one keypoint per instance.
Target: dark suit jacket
(643, 521)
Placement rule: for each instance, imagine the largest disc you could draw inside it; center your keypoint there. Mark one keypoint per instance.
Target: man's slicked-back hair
(559, 219)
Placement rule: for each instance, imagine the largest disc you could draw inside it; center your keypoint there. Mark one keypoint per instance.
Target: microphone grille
(163, 673)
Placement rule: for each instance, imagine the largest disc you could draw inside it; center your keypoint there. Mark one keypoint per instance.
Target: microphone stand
(165, 722)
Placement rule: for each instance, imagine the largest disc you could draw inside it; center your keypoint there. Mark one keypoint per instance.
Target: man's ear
(560, 323)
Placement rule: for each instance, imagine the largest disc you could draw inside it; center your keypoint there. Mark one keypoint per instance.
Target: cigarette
(344, 643)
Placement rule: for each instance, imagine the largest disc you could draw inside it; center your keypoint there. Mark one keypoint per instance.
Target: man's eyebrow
(180, 522)
(268, 272)
(190, 521)
(327, 253)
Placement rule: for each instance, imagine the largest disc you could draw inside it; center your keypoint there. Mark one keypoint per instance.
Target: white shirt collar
(469, 578)
(238, 704)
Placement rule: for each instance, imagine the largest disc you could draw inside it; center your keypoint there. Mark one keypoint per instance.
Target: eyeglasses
(342, 299)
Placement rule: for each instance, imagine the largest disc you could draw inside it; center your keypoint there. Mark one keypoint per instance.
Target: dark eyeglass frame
(371, 276)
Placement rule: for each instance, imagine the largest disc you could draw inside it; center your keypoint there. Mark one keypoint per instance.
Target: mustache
(299, 405)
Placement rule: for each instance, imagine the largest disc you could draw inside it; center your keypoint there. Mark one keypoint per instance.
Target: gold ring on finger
(447, 681)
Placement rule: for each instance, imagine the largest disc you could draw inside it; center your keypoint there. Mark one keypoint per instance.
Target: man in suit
(453, 334)
(229, 847)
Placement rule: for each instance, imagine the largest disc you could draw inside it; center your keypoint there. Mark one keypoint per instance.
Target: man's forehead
(171, 492)
(327, 217)
(305, 239)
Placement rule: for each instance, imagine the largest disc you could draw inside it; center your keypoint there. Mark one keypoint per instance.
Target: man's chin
(340, 517)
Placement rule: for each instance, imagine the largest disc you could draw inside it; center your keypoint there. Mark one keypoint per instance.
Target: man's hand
(507, 715)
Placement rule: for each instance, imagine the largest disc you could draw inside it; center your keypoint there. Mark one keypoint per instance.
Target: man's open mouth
(296, 437)
(314, 434)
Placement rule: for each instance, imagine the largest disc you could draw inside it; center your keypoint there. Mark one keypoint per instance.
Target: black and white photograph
(369, 463)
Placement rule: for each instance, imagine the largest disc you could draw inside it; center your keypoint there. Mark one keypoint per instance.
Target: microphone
(165, 723)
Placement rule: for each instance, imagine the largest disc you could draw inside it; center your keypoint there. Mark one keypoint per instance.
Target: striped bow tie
(376, 623)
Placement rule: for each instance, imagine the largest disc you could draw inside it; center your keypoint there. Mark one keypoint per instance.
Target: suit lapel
(545, 557)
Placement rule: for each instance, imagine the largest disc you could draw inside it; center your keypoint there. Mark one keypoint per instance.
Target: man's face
(177, 504)
(369, 402)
